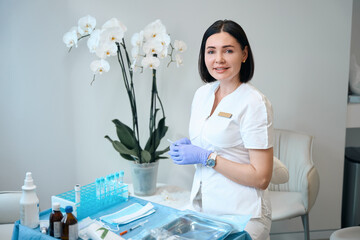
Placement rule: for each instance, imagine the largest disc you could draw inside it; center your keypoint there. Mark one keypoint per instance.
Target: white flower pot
(144, 177)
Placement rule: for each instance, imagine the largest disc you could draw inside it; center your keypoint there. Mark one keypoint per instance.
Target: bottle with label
(29, 203)
(55, 225)
(69, 225)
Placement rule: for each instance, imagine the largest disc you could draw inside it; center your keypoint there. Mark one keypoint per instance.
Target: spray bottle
(29, 203)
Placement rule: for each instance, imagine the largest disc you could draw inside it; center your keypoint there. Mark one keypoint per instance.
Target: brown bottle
(55, 225)
(69, 225)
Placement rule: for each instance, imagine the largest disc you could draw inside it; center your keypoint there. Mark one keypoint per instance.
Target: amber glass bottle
(69, 225)
(56, 216)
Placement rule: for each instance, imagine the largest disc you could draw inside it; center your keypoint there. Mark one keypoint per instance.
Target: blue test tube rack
(94, 197)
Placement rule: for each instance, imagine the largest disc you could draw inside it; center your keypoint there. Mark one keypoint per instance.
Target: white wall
(53, 122)
(35, 104)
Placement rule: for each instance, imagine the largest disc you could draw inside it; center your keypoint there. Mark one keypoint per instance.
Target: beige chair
(9, 212)
(349, 233)
(295, 197)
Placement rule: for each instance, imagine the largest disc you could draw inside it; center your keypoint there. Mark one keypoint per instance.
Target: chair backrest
(9, 206)
(294, 149)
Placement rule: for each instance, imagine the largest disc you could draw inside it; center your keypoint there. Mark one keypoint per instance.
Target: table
(167, 195)
(162, 212)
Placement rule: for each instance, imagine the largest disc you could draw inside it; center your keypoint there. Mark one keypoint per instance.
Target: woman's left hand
(188, 154)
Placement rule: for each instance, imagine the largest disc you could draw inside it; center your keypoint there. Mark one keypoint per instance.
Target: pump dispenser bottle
(29, 203)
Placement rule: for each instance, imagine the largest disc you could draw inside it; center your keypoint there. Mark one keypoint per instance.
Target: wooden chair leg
(305, 221)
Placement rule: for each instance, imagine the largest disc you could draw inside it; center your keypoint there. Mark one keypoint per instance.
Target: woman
(231, 132)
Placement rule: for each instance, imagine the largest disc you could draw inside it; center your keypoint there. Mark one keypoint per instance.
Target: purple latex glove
(188, 154)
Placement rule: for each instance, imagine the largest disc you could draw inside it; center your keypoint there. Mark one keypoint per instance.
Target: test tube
(98, 188)
(102, 188)
(121, 178)
(117, 186)
(107, 184)
(121, 183)
(77, 193)
(112, 185)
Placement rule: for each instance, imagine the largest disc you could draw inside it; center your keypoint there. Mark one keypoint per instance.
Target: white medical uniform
(249, 127)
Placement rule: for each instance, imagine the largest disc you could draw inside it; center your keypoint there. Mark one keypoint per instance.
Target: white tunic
(249, 127)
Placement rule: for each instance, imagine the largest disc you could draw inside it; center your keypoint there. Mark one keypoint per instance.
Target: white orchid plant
(149, 47)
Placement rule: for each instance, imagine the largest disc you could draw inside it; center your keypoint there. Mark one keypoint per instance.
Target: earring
(244, 61)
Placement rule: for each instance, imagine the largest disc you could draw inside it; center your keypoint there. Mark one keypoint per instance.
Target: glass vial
(55, 218)
(69, 225)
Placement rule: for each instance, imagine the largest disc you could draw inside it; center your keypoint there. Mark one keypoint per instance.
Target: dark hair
(235, 30)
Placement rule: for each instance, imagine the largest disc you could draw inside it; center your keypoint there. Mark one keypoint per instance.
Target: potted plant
(149, 47)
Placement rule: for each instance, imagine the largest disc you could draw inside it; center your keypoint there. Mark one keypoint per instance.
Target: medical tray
(192, 226)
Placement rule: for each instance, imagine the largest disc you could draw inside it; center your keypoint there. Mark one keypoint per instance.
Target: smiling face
(223, 57)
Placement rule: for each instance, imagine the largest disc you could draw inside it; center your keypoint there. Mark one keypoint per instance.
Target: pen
(134, 227)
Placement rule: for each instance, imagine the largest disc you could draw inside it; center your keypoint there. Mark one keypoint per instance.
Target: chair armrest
(9, 206)
(311, 188)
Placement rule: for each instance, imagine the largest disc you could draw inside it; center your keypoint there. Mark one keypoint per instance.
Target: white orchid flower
(86, 25)
(165, 39)
(75, 29)
(152, 46)
(114, 23)
(70, 39)
(100, 66)
(180, 46)
(179, 60)
(114, 34)
(137, 39)
(163, 53)
(154, 29)
(135, 52)
(106, 50)
(150, 62)
(93, 41)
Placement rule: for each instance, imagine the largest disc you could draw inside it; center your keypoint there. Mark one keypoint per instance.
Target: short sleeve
(256, 125)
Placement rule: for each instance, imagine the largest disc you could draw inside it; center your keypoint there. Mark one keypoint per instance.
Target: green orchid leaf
(127, 157)
(156, 136)
(121, 148)
(125, 134)
(146, 156)
(158, 153)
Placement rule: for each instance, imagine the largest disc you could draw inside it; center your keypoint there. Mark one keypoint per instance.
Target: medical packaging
(94, 197)
(96, 230)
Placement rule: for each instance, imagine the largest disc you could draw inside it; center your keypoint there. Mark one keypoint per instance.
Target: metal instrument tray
(192, 226)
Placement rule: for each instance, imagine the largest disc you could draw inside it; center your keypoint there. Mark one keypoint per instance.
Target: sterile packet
(97, 231)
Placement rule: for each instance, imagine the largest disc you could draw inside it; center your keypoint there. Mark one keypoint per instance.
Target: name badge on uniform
(224, 114)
